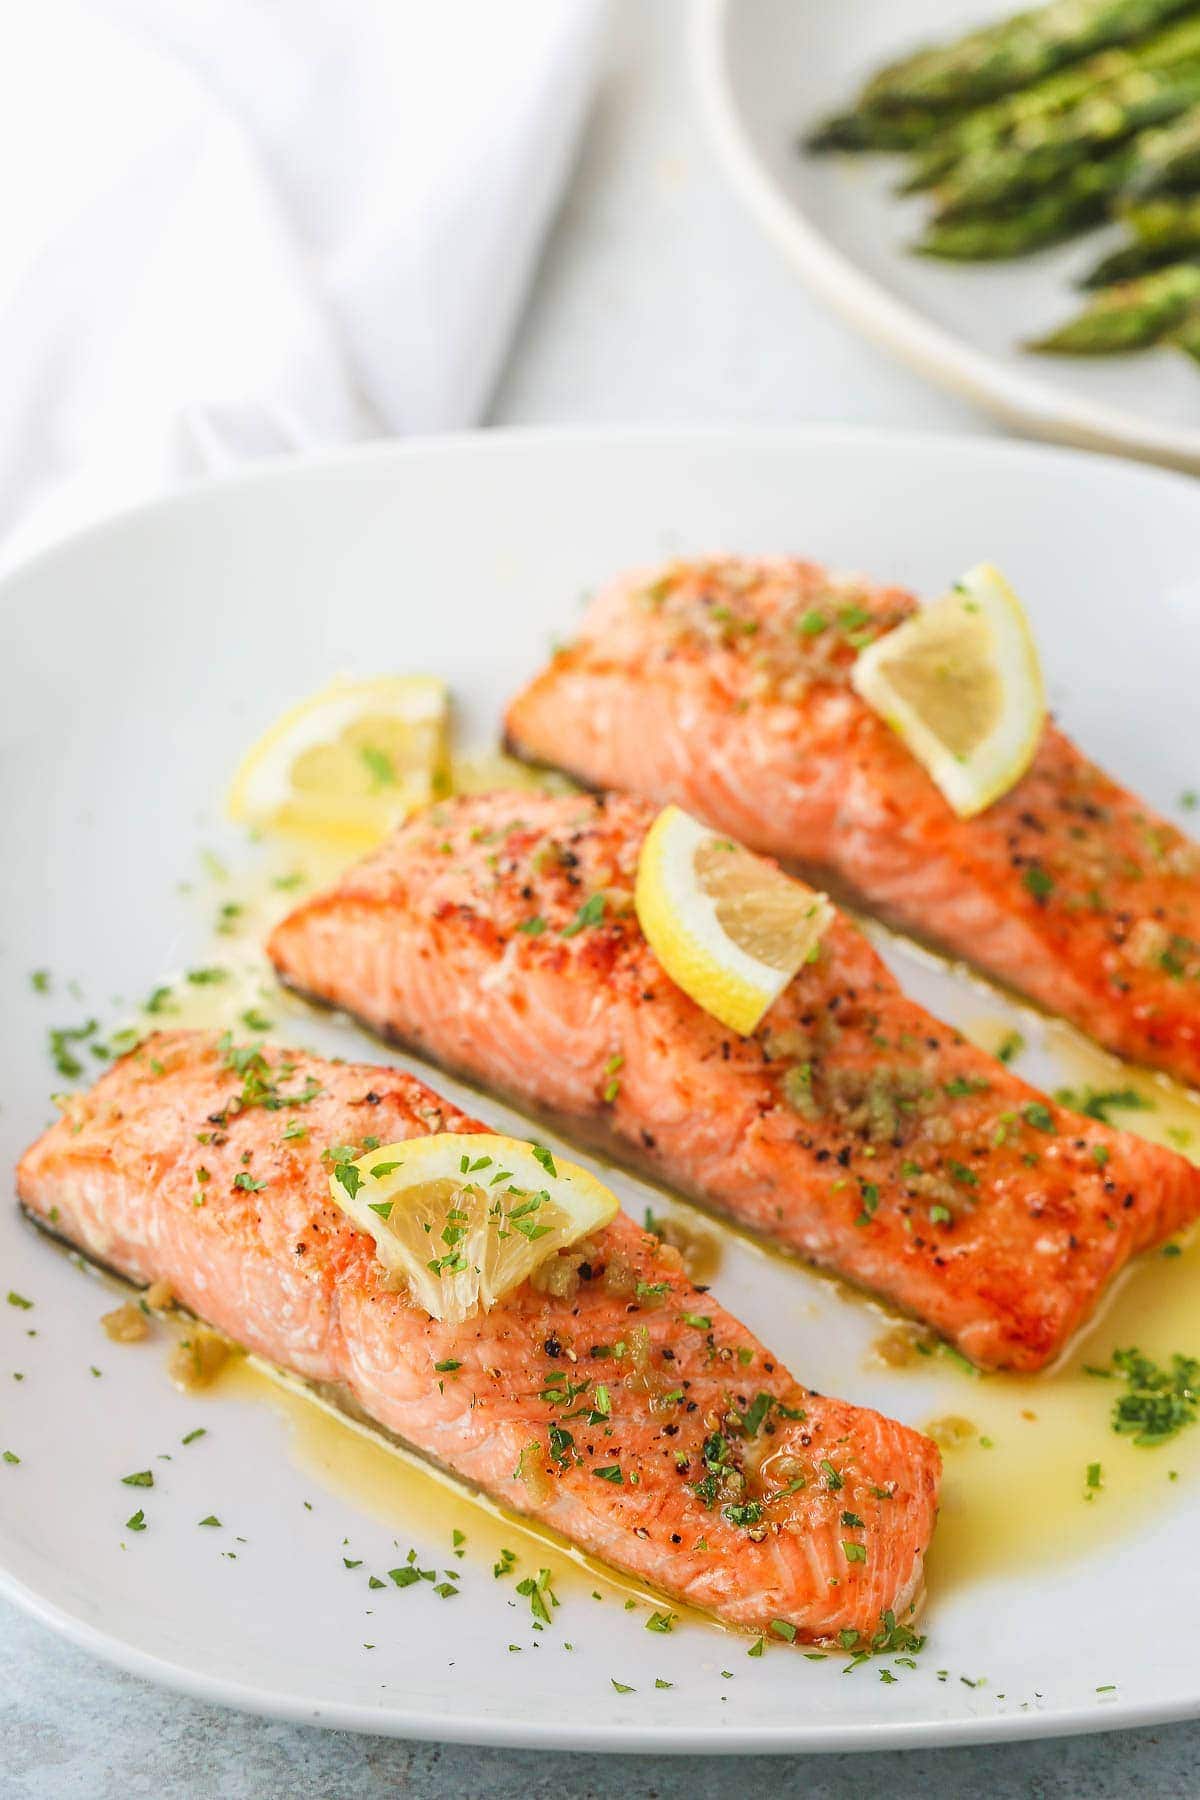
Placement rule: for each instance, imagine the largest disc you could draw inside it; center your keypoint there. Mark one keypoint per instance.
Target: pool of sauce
(1016, 1449)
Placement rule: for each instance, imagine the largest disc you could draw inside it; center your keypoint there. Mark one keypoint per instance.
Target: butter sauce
(1017, 1450)
(414, 1497)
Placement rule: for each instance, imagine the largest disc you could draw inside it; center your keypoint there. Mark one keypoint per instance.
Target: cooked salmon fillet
(497, 935)
(724, 686)
(715, 1475)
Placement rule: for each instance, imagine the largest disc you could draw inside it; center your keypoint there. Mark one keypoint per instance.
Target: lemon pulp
(728, 927)
(960, 682)
(464, 1219)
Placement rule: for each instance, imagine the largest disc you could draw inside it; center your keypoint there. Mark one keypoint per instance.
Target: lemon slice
(728, 927)
(961, 683)
(348, 763)
(466, 1219)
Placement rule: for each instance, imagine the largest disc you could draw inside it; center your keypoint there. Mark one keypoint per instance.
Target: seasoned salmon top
(724, 685)
(627, 1409)
(499, 934)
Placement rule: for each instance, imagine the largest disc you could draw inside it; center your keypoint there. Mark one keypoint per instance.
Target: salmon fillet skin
(725, 686)
(634, 1415)
(497, 936)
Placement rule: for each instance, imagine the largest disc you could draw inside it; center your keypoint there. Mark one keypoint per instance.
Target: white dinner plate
(769, 70)
(138, 660)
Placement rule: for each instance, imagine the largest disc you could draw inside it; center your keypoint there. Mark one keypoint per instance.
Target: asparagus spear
(1015, 52)
(1079, 201)
(988, 126)
(1042, 151)
(1188, 335)
(1169, 219)
(1163, 231)
(1130, 261)
(1129, 316)
(1170, 158)
(905, 128)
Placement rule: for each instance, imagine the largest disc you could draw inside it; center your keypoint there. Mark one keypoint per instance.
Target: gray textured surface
(658, 301)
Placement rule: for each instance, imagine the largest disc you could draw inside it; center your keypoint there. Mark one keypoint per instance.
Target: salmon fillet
(724, 686)
(497, 936)
(715, 1475)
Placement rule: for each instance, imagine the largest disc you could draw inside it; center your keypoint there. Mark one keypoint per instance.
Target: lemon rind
(732, 986)
(1005, 756)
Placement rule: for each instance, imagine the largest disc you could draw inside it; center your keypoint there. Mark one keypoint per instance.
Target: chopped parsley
(1095, 1103)
(870, 1201)
(61, 1054)
(1037, 882)
(755, 1413)
(260, 1083)
(540, 1595)
(379, 765)
(590, 913)
(1159, 1400)
(350, 1178)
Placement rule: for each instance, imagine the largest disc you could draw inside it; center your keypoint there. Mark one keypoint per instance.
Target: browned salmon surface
(632, 1414)
(497, 935)
(724, 686)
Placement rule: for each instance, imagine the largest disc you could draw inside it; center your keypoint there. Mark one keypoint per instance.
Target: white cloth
(233, 227)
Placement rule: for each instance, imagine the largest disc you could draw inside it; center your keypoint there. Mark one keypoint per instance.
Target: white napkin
(235, 227)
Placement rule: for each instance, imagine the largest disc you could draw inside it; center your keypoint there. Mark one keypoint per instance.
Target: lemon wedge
(348, 763)
(728, 927)
(466, 1219)
(960, 682)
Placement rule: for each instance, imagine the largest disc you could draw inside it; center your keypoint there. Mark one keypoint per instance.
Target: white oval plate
(768, 71)
(137, 661)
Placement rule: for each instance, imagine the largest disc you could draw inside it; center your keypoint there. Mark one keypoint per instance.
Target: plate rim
(902, 439)
(948, 361)
(664, 1740)
(457, 1726)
